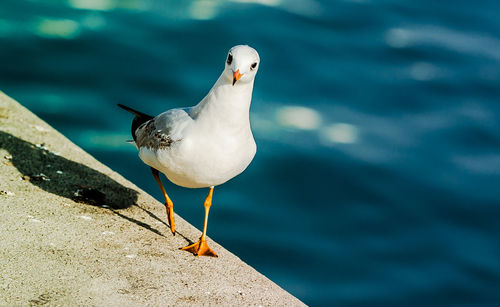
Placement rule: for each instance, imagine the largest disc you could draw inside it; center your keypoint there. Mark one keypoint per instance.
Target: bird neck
(228, 104)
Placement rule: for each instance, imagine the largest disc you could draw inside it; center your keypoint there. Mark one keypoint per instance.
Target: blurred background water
(377, 176)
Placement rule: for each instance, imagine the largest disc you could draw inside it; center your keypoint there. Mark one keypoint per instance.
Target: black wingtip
(127, 108)
(139, 118)
(135, 112)
(124, 107)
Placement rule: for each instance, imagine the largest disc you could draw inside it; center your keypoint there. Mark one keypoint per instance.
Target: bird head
(242, 63)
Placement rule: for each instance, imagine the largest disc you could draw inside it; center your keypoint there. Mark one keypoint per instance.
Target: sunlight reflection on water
(377, 125)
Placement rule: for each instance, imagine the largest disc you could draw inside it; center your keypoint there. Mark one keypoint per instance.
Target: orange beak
(236, 76)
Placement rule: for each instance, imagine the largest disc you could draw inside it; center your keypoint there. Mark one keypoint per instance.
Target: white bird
(205, 145)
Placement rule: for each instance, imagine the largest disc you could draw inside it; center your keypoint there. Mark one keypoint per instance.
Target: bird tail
(139, 118)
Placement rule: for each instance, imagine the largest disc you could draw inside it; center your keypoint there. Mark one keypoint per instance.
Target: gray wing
(163, 130)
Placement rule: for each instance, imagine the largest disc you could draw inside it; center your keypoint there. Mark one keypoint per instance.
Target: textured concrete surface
(73, 232)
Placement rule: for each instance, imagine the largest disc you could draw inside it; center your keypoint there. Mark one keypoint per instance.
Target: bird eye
(253, 65)
(229, 59)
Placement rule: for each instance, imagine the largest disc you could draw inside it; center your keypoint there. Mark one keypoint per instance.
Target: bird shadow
(60, 176)
(152, 215)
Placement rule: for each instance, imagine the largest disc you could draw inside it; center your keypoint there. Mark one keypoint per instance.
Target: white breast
(199, 161)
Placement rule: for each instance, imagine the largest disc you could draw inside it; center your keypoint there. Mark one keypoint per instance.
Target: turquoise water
(377, 176)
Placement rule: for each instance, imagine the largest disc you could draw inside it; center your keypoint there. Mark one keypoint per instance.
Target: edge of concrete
(74, 232)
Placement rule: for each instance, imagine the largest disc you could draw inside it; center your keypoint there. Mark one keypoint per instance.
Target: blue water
(377, 177)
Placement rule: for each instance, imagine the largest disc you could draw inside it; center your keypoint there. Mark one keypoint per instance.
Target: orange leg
(201, 248)
(168, 203)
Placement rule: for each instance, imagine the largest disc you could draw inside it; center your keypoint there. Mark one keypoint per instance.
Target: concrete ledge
(107, 245)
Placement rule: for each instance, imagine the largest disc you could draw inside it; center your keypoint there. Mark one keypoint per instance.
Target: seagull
(205, 145)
